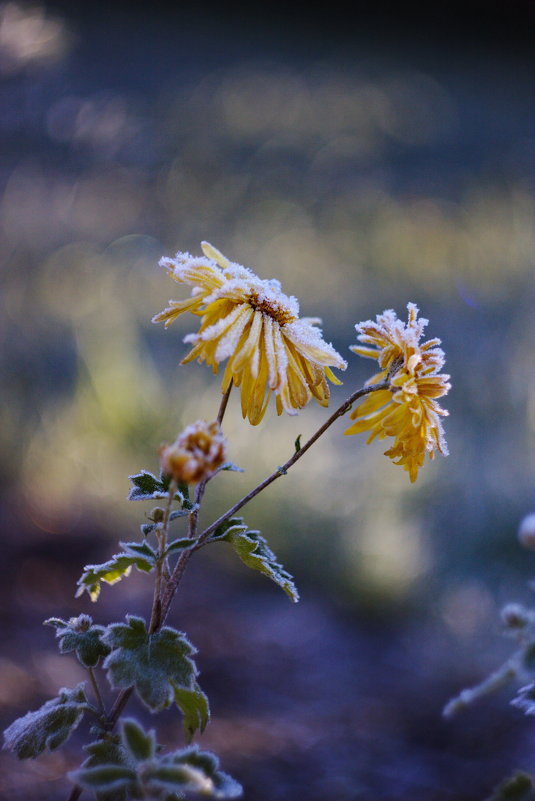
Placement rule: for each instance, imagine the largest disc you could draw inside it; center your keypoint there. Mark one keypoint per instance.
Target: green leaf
(142, 549)
(153, 663)
(104, 778)
(203, 773)
(85, 641)
(112, 571)
(297, 443)
(254, 552)
(47, 727)
(138, 743)
(132, 767)
(108, 751)
(231, 522)
(195, 709)
(146, 486)
(518, 788)
(148, 528)
(179, 545)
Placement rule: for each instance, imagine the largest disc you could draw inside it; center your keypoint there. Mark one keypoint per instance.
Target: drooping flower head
(196, 453)
(408, 409)
(254, 325)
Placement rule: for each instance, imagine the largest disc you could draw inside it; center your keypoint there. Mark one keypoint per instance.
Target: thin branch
(281, 471)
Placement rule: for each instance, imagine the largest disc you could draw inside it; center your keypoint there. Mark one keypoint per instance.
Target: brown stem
(283, 469)
(223, 405)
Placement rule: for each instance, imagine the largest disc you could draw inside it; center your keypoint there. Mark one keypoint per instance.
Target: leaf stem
(96, 690)
(162, 542)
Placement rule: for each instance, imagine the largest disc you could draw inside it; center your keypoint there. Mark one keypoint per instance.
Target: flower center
(270, 306)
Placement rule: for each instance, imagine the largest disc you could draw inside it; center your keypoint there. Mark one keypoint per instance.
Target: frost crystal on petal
(407, 410)
(253, 324)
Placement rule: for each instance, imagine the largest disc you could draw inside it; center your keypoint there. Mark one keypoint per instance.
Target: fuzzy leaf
(85, 641)
(518, 788)
(202, 769)
(49, 726)
(153, 663)
(138, 743)
(104, 752)
(195, 709)
(112, 571)
(104, 778)
(136, 770)
(254, 552)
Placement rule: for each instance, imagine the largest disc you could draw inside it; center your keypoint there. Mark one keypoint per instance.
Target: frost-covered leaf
(229, 466)
(112, 571)
(518, 788)
(179, 545)
(141, 549)
(226, 526)
(153, 663)
(49, 726)
(195, 709)
(132, 767)
(106, 752)
(139, 744)
(148, 528)
(146, 487)
(201, 773)
(254, 552)
(80, 635)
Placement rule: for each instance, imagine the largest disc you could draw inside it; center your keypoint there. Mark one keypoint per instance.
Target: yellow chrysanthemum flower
(408, 409)
(254, 325)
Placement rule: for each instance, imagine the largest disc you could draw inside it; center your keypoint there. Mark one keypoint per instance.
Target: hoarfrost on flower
(253, 324)
(407, 409)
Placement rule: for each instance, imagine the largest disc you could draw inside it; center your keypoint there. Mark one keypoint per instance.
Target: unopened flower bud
(81, 623)
(526, 531)
(157, 514)
(197, 453)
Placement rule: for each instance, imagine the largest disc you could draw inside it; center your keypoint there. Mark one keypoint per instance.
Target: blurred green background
(363, 170)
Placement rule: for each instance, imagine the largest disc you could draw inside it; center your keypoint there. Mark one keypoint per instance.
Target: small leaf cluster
(160, 668)
(81, 636)
(132, 766)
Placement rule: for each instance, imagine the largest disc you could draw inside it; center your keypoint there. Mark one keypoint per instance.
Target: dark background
(366, 160)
